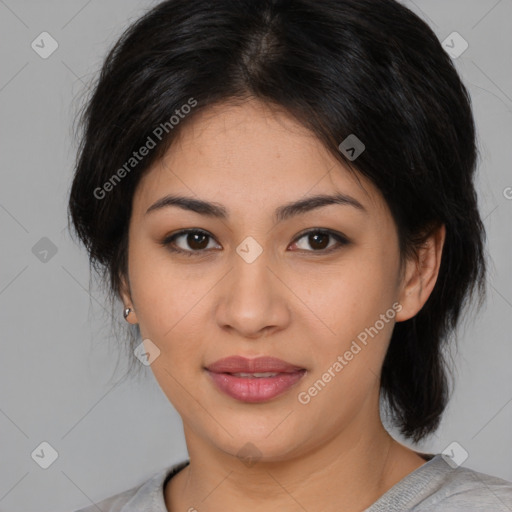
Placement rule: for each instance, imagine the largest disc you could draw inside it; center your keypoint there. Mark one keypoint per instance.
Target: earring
(126, 312)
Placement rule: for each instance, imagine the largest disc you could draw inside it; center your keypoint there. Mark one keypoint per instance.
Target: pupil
(319, 235)
(194, 237)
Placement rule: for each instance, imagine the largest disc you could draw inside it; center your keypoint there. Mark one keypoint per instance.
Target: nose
(252, 300)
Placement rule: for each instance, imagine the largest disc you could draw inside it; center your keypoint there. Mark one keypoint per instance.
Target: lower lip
(247, 389)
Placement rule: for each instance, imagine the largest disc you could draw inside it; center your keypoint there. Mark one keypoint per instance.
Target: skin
(293, 302)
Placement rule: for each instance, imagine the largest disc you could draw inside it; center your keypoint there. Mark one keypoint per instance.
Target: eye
(196, 240)
(318, 239)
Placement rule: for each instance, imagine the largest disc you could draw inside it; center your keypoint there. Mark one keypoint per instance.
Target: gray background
(56, 364)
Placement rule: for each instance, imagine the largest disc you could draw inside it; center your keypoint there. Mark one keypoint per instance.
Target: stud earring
(126, 312)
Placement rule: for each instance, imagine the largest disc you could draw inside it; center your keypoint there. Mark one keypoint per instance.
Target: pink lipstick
(254, 380)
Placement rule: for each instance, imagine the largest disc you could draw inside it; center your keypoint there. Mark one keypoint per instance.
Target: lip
(239, 364)
(254, 389)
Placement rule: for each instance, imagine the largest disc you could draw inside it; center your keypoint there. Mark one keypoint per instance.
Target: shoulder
(114, 503)
(147, 496)
(438, 487)
(464, 489)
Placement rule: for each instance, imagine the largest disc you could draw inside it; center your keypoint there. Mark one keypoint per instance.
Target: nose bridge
(252, 300)
(251, 273)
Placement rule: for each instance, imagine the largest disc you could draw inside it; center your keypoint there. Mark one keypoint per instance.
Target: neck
(349, 472)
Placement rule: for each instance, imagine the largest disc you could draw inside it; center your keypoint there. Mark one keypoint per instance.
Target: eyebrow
(216, 210)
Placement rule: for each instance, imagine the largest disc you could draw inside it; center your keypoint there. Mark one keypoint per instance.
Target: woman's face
(255, 283)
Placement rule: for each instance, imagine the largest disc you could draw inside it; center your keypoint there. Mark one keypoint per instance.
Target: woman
(281, 194)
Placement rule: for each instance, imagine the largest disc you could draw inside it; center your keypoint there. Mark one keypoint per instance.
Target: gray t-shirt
(433, 487)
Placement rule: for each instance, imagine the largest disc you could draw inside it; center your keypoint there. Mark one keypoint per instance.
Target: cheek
(164, 296)
(361, 316)
(167, 312)
(354, 296)
(168, 309)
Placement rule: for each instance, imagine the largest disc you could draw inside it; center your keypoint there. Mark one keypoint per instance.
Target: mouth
(254, 380)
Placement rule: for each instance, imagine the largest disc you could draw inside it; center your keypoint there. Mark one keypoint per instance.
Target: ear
(420, 274)
(126, 297)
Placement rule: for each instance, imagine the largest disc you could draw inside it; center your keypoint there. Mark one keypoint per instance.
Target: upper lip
(239, 364)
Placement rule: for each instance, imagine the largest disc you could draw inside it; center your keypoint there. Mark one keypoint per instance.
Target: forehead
(250, 155)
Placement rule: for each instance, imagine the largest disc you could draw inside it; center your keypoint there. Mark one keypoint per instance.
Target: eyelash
(168, 241)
